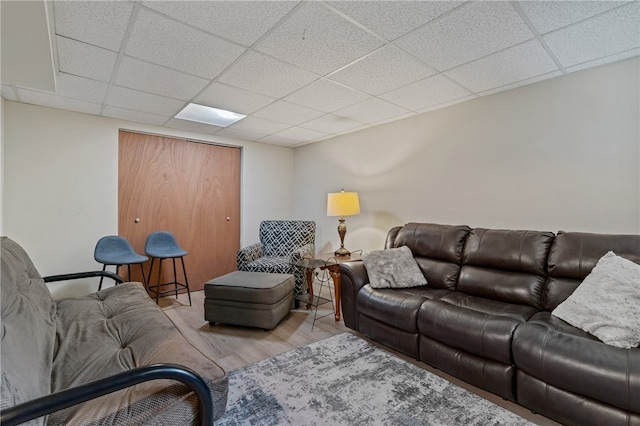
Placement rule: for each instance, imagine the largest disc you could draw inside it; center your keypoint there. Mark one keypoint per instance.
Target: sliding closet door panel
(187, 188)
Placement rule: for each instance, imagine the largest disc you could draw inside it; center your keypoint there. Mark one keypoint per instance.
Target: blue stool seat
(116, 250)
(163, 245)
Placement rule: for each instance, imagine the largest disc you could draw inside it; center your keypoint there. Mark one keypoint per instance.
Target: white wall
(60, 176)
(562, 154)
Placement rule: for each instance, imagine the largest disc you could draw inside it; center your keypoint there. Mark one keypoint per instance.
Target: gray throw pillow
(393, 268)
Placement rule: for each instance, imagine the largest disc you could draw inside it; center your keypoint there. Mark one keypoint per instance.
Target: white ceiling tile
(606, 60)
(278, 140)
(520, 83)
(331, 124)
(8, 93)
(285, 112)
(241, 21)
(231, 98)
(193, 126)
(137, 116)
(51, 100)
(145, 102)
(318, 40)
(392, 19)
(550, 15)
(425, 93)
(448, 103)
(606, 34)
(85, 60)
(245, 135)
(162, 41)
(516, 63)
(71, 86)
(477, 29)
(383, 70)
(299, 134)
(371, 111)
(101, 23)
(162, 81)
(259, 125)
(262, 74)
(325, 95)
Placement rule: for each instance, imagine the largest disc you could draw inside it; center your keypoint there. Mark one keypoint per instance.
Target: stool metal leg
(175, 276)
(158, 282)
(104, 268)
(186, 282)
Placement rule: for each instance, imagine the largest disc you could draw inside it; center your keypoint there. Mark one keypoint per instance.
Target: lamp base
(342, 252)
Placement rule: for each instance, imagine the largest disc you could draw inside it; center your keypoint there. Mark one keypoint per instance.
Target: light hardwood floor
(233, 347)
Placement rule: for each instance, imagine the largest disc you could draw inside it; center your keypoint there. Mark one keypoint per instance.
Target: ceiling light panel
(233, 99)
(209, 115)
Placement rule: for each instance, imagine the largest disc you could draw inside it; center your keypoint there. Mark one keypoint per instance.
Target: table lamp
(342, 204)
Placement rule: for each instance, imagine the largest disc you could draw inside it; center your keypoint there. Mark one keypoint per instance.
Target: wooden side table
(331, 263)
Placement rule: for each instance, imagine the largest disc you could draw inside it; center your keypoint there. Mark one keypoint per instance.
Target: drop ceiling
(307, 71)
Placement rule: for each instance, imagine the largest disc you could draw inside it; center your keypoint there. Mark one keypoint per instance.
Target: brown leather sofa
(485, 317)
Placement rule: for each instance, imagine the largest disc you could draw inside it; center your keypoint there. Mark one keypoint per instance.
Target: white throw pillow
(393, 268)
(607, 302)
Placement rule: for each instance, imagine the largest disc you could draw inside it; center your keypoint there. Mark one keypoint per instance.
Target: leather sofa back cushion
(436, 248)
(28, 329)
(574, 254)
(506, 265)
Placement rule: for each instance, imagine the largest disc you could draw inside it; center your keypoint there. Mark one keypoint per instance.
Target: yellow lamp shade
(343, 204)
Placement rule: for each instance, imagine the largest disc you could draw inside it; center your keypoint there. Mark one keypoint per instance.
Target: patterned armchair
(281, 242)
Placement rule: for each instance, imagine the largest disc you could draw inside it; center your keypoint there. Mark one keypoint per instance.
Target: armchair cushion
(281, 243)
(283, 237)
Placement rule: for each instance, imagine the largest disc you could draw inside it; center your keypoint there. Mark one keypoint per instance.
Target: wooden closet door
(187, 188)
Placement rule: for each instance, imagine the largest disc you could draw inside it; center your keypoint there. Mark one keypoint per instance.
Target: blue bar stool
(163, 245)
(116, 250)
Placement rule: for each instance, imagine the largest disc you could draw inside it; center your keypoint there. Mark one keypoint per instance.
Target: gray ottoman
(253, 299)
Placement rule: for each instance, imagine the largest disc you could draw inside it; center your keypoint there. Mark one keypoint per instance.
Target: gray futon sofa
(115, 351)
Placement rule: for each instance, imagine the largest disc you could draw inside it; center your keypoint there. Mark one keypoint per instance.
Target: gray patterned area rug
(345, 380)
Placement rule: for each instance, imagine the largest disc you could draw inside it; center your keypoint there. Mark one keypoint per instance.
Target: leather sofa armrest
(353, 277)
(248, 254)
(67, 398)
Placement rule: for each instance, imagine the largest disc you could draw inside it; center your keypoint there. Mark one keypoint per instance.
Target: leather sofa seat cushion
(563, 356)
(118, 329)
(478, 326)
(395, 307)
